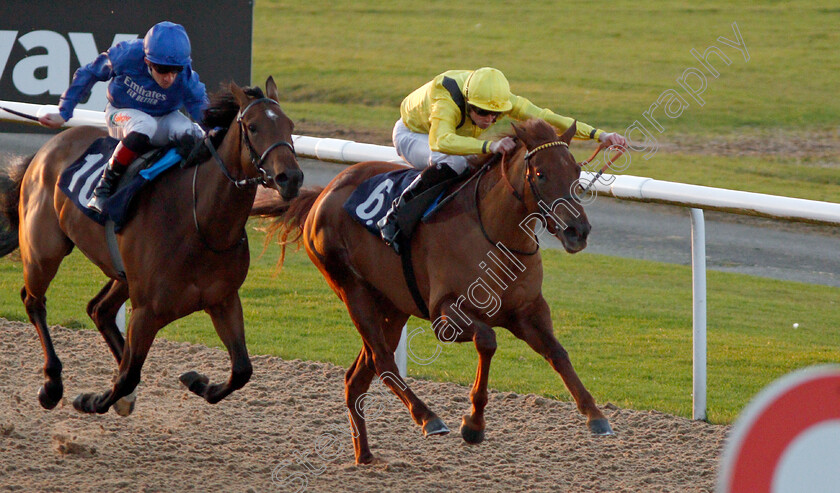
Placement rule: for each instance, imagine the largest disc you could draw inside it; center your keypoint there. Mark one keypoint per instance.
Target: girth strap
(411, 281)
(113, 249)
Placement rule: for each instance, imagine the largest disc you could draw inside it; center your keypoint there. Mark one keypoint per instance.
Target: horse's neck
(222, 207)
(502, 213)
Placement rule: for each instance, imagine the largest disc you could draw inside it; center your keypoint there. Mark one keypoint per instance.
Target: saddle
(80, 178)
(372, 198)
(371, 201)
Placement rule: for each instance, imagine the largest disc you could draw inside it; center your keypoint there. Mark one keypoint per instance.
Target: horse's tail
(10, 180)
(287, 218)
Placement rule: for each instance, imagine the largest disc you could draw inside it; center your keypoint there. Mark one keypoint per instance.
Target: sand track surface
(287, 431)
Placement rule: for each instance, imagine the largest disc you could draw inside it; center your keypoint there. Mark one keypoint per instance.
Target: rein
(481, 174)
(257, 159)
(610, 162)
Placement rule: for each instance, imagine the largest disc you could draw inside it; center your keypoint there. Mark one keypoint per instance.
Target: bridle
(257, 160)
(530, 172)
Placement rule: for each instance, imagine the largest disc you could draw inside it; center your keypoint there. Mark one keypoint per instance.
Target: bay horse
(453, 253)
(185, 248)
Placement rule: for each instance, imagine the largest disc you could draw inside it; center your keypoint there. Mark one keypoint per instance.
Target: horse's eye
(252, 127)
(540, 176)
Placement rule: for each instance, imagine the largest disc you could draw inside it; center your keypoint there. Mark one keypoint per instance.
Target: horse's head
(552, 177)
(266, 134)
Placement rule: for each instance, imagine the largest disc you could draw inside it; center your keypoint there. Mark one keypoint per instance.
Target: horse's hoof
(125, 406)
(435, 426)
(49, 398)
(195, 382)
(600, 427)
(470, 435)
(79, 403)
(367, 460)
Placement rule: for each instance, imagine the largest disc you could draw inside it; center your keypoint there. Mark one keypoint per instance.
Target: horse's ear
(271, 89)
(568, 134)
(518, 131)
(239, 94)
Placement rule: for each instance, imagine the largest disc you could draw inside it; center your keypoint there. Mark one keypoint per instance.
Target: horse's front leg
(103, 309)
(143, 326)
(230, 325)
(472, 426)
(534, 326)
(356, 384)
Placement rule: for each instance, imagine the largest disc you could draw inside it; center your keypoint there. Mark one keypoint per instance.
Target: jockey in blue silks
(150, 80)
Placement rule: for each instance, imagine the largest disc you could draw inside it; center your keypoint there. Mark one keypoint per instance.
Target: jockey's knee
(137, 142)
(458, 164)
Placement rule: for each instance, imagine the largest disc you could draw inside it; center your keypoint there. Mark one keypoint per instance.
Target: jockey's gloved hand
(612, 139)
(504, 145)
(51, 120)
(186, 143)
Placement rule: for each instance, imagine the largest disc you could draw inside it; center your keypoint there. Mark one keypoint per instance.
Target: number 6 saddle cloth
(372, 198)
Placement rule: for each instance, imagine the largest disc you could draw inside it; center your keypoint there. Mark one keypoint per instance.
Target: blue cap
(167, 43)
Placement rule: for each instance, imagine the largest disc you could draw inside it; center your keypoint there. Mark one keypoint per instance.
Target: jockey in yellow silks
(441, 124)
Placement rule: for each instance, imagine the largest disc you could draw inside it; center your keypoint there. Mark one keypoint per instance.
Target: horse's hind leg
(103, 309)
(534, 327)
(53, 389)
(356, 383)
(230, 325)
(375, 321)
(38, 271)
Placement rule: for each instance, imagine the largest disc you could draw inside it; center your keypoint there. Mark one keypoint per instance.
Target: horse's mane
(224, 107)
(539, 129)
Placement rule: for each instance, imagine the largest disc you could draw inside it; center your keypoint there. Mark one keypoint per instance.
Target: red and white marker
(787, 439)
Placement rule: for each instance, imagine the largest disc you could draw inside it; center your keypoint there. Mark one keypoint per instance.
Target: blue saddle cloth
(372, 198)
(81, 177)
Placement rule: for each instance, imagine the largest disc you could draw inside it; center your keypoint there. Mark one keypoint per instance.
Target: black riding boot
(105, 187)
(125, 153)
(430, 177)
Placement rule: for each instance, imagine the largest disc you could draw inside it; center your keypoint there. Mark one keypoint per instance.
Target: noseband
(257, 160)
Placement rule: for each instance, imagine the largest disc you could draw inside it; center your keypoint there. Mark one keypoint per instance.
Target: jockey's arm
(196, 100)
(524, 109)
(84, 79)
(442, 132)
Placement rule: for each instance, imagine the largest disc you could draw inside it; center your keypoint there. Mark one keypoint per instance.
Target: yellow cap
(488, 89)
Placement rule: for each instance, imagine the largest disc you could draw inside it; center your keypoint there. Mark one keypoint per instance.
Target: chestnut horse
(184, 250)
(477, 236)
